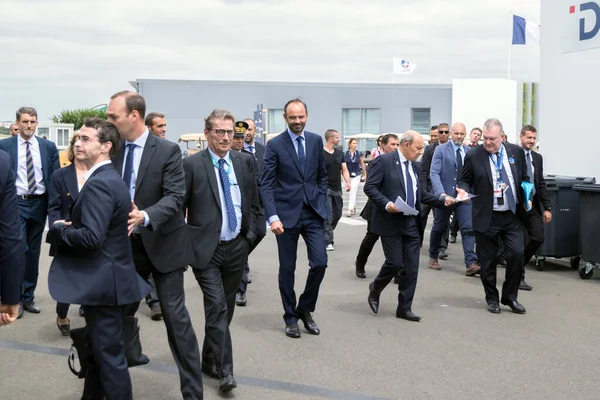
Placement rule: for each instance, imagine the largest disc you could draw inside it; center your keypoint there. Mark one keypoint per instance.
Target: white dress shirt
(22, 184)
(236, 196)
(137, 158)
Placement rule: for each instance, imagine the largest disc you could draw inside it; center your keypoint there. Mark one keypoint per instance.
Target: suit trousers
(180, 333)
(261, 232)
(152, 297)
(533, 234)
(219, 281)
(366, 247)
(462, 213)
(335, 203)
(507, 227)
(401, 254)
(107, 372)
(311, 226)
(33, 214)
(425, 210)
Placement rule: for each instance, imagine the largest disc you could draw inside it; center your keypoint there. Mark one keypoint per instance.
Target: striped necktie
(31, 184)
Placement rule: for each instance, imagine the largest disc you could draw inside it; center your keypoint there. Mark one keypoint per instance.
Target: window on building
(360, 120)
(43, 132)
(421, 120)
(276, 122)
(62, 137)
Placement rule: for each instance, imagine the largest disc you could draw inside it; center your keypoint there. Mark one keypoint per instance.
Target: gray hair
(409, 136)
(217, 114)
(492, 122)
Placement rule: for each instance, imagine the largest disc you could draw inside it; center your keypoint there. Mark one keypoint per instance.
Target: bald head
(250, 132)
(458, 132)
(411, 145)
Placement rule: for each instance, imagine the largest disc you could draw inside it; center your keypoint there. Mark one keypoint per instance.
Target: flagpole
(510, 29)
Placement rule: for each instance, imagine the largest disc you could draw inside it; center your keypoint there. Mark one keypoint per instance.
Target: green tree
(4, 130)
(77, 116)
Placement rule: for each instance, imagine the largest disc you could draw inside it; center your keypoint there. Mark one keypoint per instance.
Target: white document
(469, 197)
(404, 208)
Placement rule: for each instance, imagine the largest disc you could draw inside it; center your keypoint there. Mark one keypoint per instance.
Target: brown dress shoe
(473, 269)
(434, 264)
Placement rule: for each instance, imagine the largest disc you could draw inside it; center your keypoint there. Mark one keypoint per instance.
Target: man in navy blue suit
(93, 265)
(446, 168)
(12, 258)
(34, 159)
(294, 192)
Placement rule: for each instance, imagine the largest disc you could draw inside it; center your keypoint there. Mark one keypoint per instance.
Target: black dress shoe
(360, 271)
(20, 311)
(515, 306)
(227, 383)
(525, 286)
(309, 323)
(31, 307)
(443, 254)
(292, 330)
(240, 299)
(64, 329)
(408, 315)
(373, 298)
(494, 308)
(210, 370)
(452, 239)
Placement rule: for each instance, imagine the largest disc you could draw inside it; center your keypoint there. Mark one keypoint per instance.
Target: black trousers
(401, 254)
(425, 210)
(180, 333)
(107, 373)
(507, 227)
(533, 234)
(219, 281)
(366, 247)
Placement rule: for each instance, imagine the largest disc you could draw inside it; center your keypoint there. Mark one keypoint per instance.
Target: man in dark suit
(254, 147)
(446, 168)
(294, 193)
(93, 265)
(153, 172)
(34, 159)
(12, 257)
(494, 173)
(221, 201)
(394, 175)
(541, 209)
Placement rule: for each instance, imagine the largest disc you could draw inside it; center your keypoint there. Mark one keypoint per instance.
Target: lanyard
(353, 159)
(498, 164)
(227, 171)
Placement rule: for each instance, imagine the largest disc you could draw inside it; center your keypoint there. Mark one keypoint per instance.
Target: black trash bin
(561, 235)
(589, 228)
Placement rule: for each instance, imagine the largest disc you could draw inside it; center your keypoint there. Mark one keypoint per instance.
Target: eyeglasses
(443, 132)
(86, 139)
(221, 132)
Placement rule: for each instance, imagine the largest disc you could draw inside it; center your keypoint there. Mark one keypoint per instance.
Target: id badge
(498, 191)
(353, 174)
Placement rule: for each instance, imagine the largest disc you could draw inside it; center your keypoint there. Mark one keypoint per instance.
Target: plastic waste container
(561, 235)
(589, 228)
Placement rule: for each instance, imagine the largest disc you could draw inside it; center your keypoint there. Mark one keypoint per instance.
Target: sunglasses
(443, 132)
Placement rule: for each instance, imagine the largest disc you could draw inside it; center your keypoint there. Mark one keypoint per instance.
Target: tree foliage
(77, 116)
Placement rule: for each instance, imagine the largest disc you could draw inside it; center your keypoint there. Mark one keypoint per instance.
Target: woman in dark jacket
(64, 188)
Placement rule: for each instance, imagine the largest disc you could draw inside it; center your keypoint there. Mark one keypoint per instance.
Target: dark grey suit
(162, 249)
(218, 266)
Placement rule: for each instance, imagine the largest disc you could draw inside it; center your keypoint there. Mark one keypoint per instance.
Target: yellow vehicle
(198, 140)
(63, 158)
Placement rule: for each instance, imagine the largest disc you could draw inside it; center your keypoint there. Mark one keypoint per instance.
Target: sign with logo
(582, 26)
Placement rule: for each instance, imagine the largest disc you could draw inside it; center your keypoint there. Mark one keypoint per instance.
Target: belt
(228, 241)
(30, 196)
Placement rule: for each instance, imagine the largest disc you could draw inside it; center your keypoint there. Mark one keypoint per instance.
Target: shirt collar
(455, 146)
(402, 158)
(33, 140)
(293, 136)
(90, 171)
(246, 145)
(141, 141)
(215, 158)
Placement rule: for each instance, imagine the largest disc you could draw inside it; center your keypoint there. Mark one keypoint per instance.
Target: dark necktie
(251, 148)
(459, 164)
(227, 195)
(128, 172)
(31, 184)
(508, 193)
(410, 194)
(301, 155)
(530, 172)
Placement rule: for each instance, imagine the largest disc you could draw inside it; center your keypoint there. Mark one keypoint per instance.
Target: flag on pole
(403, 66)
(258, 121)
(525, 31)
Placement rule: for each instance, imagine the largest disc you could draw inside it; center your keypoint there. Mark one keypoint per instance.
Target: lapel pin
(511, 160)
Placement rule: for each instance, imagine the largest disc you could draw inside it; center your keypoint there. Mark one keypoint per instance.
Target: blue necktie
(128, 173)
(31, 184)
(301, 155)
(509, 193)
(410, 195)
(227, 195)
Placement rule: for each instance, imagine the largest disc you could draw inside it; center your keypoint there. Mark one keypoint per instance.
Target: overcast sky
(62, 54)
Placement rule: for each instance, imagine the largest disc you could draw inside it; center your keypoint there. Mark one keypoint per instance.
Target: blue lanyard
(498, 163)
(227, 171)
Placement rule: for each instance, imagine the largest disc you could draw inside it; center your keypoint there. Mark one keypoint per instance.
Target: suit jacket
(93, 264)
(426, 163)
(385, 183)
(477, 178)
(62, 193)
(48, 154)
(284, 187)
(259, 150)
(541, 199)
(261, 225)
(444, 169)
(12, 243)
(203, 205)
(159, 190)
